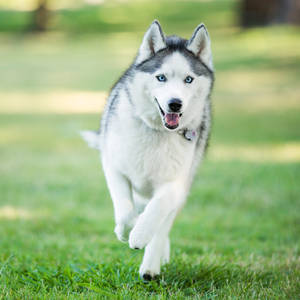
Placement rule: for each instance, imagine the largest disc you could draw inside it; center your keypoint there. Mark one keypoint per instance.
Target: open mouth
(170, 120)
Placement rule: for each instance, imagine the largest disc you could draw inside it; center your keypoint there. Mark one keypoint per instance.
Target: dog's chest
(149, 157)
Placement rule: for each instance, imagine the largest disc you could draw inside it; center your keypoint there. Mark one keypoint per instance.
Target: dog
(154, 132)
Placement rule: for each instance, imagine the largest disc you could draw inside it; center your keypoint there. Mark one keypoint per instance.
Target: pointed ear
(199, 44)
(153, 41)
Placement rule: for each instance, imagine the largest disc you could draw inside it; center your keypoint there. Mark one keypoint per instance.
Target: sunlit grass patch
(289, 152)
(58, 102)
(258, 84)
(10, 212)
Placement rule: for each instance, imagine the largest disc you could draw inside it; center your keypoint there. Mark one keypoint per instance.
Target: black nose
(175, 104)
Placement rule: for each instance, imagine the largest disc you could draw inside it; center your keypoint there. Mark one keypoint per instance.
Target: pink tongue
(172, 119)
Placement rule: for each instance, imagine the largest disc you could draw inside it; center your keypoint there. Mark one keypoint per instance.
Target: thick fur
(149, 167)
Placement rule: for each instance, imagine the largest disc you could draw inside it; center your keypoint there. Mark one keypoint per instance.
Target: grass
(238, 235)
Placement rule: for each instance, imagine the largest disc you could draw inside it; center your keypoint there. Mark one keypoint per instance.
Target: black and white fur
(148, 164)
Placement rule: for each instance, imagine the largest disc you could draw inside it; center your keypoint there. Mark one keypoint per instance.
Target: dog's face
(175, 78)
(178, 92)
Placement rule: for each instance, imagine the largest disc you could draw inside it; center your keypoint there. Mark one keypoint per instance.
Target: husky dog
(153, 134)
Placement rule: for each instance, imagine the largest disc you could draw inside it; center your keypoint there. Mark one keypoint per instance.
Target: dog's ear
(153, 41)
(199, 44)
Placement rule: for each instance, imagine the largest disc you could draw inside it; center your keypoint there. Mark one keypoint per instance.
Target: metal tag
(190, 135)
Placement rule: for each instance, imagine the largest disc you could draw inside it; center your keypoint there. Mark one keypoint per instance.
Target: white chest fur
(147, 157)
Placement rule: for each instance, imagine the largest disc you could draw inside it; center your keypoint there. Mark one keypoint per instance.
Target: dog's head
(174, 78)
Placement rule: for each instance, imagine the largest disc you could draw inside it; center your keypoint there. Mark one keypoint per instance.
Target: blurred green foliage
(128, 16)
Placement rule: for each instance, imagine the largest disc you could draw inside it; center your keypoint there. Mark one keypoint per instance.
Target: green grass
(238, 235)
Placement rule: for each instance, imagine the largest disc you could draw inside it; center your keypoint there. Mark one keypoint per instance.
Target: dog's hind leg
(120, 191)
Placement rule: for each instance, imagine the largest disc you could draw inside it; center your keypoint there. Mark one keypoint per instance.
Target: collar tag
(190, 134)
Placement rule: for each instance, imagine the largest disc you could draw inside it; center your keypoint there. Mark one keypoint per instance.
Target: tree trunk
(267, 12)
(40, 17)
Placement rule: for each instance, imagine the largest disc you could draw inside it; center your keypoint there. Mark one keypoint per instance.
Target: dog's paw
(122, 232)
(124, 226)
(138, 239)
(148, 274)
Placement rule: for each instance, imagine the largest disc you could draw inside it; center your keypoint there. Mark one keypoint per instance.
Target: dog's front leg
(166, 202)
(157, 252)
(120, 191)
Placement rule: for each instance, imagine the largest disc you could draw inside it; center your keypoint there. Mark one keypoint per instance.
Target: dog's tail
(92, 138)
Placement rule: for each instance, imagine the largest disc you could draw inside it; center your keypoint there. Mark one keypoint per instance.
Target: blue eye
(188, 79)
(161, 78)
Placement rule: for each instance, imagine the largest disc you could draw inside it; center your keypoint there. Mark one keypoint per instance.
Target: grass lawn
(238, 235)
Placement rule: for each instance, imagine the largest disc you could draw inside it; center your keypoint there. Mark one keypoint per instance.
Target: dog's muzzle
(171, 119)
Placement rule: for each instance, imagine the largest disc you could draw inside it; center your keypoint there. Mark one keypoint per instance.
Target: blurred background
(58, 60)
